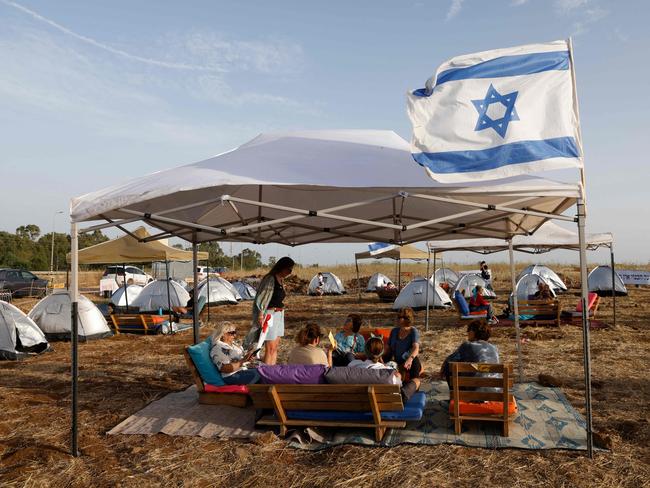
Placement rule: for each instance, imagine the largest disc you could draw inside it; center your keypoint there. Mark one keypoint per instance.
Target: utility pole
(52, 252)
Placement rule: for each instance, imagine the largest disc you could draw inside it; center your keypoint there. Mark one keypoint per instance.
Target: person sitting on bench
(476, 349)
(404, 345)
(478, 304)
(229, 358)
(307, 350)
(374, 351)
(349, 343)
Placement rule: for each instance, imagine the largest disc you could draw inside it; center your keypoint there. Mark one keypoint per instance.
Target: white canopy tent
(320, 186)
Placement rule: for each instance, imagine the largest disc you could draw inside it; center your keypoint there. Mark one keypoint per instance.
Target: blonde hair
(220, 330)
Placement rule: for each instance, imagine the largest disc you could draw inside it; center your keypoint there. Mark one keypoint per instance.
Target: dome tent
(332, 285)
(469, 281)
(52, 315)
(221, 291)
(446, 275)
(246, 291)
(154, 296)
(600, 281)
(554, 281)
(378, 280)
(528, 285)
(121, 299)
(414, 295)
(19, 335)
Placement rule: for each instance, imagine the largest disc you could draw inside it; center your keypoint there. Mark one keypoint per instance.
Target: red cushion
(226, 389)
(483, 408)
(478, 312)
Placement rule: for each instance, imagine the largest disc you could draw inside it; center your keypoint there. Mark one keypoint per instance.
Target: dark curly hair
(356, 322)
(481, 329)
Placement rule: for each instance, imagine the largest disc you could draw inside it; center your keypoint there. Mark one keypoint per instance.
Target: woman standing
(270, 300)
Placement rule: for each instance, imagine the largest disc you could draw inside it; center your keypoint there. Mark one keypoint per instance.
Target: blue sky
(94, 93)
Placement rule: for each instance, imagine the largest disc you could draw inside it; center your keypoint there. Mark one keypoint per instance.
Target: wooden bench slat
(350, 397)
(326, 388)
(482, 382)
(270, 420)
(341, 406)
(481, 367)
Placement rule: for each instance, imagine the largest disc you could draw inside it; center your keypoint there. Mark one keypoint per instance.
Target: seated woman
(543, 292)
(229, 358)
(349, 343)
(478, 304)
(307, 350)
(404, 345)
(374, 351)
(476, 349)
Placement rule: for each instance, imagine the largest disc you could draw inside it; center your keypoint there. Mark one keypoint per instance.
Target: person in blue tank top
(404, 345)
(349, 343)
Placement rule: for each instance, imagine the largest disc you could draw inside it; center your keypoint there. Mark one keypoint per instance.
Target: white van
(114, 277)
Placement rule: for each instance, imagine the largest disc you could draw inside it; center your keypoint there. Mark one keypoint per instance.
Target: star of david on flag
(496, 114)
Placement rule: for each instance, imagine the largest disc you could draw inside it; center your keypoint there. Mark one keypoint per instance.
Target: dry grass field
(120, 375)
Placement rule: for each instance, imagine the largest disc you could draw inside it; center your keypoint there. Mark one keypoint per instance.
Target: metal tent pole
(74, 337)
(585, 324)
(195, 298)
(426, 319)
(399, 273)
(126, 298)
(169, 295)
(515, 303)
(611, 254)
(207, 283)
(356, 264)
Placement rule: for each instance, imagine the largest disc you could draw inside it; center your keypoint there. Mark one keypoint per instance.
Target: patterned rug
(546, 420)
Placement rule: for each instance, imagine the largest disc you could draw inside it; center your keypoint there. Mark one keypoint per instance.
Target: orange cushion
(591, 299)
(478, 312)
(484, 408)
(383, 332)
(159, 319)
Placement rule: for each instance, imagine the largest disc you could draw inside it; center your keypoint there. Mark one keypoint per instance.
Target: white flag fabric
(379, 247)
(496, 114)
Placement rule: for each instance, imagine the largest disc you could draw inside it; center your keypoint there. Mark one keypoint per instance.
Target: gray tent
(528, 285)
(332, 285)
(550, 276)
(161, 294)
(446, 275)
(246, 291)
(378, 280)
(121, 299)
(221, 291)
(19, 335)
(600, 281)
(414, 295)
(52, 315)
(468, 282)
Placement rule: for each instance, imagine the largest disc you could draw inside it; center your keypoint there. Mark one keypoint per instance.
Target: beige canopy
(408, 251)
(127, 249)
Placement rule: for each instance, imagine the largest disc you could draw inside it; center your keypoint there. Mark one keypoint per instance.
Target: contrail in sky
(106, 47)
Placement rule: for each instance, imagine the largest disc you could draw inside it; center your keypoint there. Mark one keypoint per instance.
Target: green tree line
(27, 248)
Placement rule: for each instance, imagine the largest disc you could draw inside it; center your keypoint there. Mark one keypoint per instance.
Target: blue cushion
(200, 354)
(462, 303)
(413, 410)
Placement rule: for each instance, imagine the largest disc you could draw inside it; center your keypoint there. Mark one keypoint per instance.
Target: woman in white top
(229, 357)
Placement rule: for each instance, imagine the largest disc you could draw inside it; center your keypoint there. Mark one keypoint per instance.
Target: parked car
(22, 283)
(114, 276)
(202, 271)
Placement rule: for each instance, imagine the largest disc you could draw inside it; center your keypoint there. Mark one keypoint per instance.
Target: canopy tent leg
(611, 255)
(356, 264)
(207, 283)
(585, 324)
(195, 297)
(399, 273)
(74, 337)
(426, 319)
(515, 306)
(126, 297)
(169, 295)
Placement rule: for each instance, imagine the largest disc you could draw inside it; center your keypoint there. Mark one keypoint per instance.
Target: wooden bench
(463, 397)
(137, 323)
(545, 308)
(213, 398)
(331, 398)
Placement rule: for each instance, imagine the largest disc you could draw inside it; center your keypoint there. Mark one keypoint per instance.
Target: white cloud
(518, 3)
(588, 17)
(454, 9)
(564, 6)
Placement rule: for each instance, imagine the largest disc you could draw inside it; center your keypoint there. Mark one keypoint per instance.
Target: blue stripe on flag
(376, 246)
(516, 65)
(496, 157)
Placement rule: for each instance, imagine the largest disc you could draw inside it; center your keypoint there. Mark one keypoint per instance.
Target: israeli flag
(379, 247)
(496, 114)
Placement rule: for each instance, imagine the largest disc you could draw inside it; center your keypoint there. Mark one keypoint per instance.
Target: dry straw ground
(121, 375)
